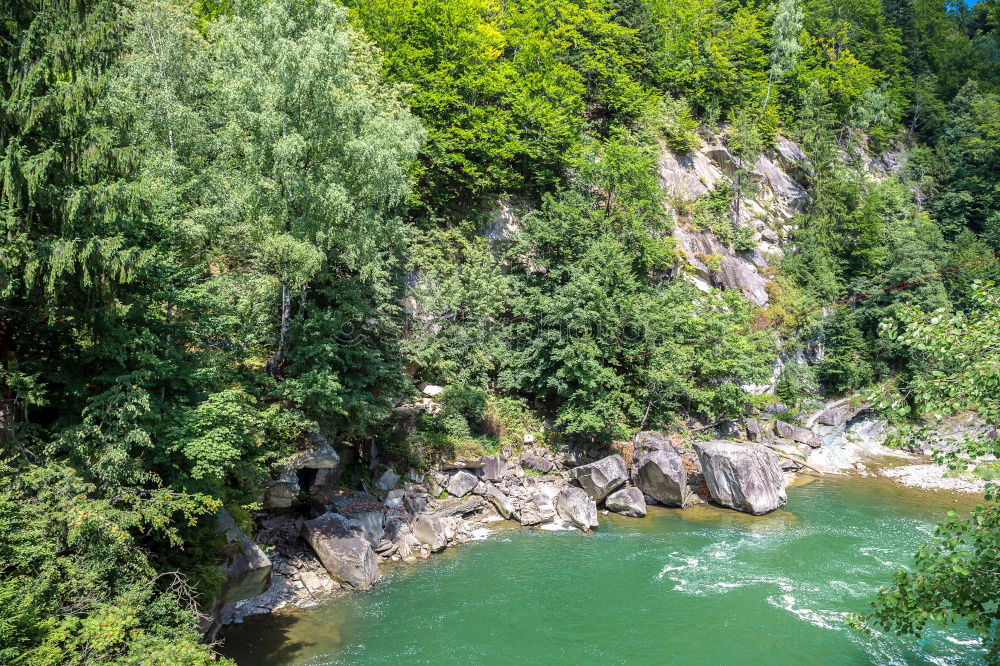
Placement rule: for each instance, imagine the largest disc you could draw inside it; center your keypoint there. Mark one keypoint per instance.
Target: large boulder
(745, 477)
(348, 558)
(601, 478)
(430, 529)
(321, 456)
(503, 504)
(536, 508)
(247, 568)
(627, 501)
(460, 483)
(494, 468)
(388, 480)
(430, 390)
(537, 464)
(659, 472)
(280, 493)
(575, 507)
(794, 433)
(366, 520)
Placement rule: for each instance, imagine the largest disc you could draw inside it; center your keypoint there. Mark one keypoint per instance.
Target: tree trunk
(6, 395)
(767, 97)
(739, 195)
(275, 362)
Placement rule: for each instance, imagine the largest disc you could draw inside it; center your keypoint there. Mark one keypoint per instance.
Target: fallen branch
(799, 461)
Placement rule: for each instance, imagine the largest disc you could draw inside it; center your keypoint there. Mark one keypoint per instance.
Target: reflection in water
(700, 585)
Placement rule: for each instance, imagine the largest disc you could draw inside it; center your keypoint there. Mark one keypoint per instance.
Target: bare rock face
(247, 568)
(688, 175)
(745, 477)
(349, 559)
(628, 502)
(280, 493)
(460, 483)
(790, 195)
(659, 472)
(601, 478)
(575, 507)
(732, 271)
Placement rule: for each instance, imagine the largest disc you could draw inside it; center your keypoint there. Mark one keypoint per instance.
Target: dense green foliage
(226, 225)
(956, 577)
(178, 207)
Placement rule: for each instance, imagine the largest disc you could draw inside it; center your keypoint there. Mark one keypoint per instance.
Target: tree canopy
(229, 225)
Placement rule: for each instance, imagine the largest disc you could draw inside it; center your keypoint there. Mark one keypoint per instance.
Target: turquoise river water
(702, 586)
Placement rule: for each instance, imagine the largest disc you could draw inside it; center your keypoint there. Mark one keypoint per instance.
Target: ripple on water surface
(700, 586)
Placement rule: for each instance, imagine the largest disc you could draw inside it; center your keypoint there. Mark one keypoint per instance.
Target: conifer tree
(784, 42)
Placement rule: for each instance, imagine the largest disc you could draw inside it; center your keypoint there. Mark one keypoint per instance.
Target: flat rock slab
(322, 457)
(460, 508)
(742, 476)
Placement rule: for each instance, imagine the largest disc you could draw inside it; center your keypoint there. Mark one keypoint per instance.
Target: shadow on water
(272, 639)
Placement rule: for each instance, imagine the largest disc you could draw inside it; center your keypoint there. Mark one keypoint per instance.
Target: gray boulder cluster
(346, 535)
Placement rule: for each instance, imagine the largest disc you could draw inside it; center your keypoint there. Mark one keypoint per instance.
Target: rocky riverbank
(339, 539)
(932, 476)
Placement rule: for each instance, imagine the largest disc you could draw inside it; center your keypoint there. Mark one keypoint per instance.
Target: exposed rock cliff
(767, 196)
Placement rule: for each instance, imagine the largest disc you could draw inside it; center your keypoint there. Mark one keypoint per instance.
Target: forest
(226, 225)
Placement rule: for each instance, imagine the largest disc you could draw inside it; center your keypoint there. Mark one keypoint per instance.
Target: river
(700, 586)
